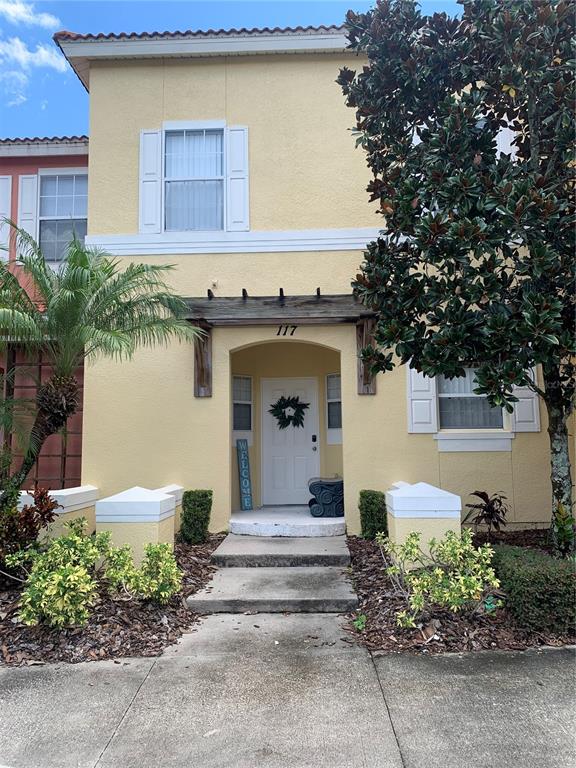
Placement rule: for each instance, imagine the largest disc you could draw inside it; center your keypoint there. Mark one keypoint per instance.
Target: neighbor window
(194, 180)
(62, 212)
(460, 408)
(242, 403)
(334, 401)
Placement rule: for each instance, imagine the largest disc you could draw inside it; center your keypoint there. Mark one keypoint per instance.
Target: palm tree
(85, 308)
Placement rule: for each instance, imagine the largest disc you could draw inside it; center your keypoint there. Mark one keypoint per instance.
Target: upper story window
(63, 202)
(194, 180)
(460, 408)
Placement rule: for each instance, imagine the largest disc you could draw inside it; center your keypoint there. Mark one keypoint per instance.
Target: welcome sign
(244, 475)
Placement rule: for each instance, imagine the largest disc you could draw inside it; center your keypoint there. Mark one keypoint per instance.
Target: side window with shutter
(5, 213)
(422, 403)
(526, 416)
(237, 186)
(194, 179)
(28, 204)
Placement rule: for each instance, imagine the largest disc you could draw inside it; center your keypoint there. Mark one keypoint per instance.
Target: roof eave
(43, 147)
(80, 53)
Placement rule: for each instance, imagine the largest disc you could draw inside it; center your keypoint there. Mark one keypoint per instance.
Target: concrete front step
(279, 552)
(276, 590)
(285, 521)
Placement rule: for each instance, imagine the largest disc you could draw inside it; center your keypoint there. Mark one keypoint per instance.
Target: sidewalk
(284, 691)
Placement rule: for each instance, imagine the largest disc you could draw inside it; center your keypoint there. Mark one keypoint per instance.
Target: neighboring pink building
(43, 189)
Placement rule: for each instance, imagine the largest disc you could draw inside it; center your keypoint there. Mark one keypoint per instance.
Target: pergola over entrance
(287, 312)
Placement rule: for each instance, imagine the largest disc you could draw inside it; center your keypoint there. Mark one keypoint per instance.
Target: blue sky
(41, 96)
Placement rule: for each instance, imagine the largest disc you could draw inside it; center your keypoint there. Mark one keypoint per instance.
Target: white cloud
(18, 12)
(15, 51)
(13, 86)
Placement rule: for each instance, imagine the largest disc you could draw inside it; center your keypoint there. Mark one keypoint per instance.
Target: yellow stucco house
(228, 155)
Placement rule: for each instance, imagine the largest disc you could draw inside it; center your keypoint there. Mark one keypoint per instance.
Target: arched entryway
(283, 457)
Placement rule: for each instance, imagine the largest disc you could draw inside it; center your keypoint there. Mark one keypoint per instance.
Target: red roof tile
(45, 139)
(65, 36)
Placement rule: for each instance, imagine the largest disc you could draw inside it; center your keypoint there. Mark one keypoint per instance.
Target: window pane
(47, 185)
(469, 413)
(65, 186)
(242, 417)
(460, 385)
(80, 184)
(55, 237)
(242, 389)
(194, 205)
(175, 154)
(64, 205)
(333, 387)
(335, 415)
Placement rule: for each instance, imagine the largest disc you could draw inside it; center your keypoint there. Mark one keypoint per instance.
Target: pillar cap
(135, 505)
(422, 500)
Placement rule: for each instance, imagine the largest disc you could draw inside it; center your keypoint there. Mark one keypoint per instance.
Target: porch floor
(285, 521)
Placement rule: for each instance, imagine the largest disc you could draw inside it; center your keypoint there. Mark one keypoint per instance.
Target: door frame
(264, 412)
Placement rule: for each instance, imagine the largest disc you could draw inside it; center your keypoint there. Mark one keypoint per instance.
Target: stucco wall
(304, 171)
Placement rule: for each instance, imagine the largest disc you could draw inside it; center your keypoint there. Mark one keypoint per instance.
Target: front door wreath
(288, 410)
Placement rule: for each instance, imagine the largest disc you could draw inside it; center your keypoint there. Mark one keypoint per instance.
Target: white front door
(291, 456)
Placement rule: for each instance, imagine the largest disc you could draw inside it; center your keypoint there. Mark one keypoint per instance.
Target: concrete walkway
(285, 691)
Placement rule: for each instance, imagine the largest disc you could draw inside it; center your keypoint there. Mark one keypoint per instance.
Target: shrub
(65, 577)
(455, 575)
(540, 589)
(373, 520)
(19, 529)
(196, 508)
(159, 577)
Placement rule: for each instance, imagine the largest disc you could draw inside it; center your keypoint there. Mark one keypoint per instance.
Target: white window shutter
(150, 182)
(5, 213)
(422, 404)
(237, 188)
(28, 204)
(526, 416)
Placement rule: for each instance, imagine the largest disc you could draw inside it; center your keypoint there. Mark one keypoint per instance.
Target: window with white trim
(62, 212)
(333, 401)
(193, 180)
(242, 403)
(460, 408)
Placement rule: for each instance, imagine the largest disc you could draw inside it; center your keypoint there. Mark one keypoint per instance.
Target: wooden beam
(364, 337)
(203, 364)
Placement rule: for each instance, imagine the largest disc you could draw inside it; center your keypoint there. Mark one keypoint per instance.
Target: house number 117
(286, 330)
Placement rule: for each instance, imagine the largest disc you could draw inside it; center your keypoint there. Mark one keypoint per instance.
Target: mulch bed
(116, 628)
(534, 538)
(444, 632)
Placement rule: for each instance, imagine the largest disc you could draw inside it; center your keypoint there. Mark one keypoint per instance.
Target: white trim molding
(476, 441)
(264, 241)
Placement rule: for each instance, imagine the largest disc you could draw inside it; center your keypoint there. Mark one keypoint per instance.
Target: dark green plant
(491, 511)
(373, 518)
(360, 622)
(475, 263)
(19, 528)
(196, 508)
(540, 589)
(563, 533)
(89, 307)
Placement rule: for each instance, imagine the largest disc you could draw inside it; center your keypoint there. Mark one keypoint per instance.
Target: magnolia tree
(475, 263)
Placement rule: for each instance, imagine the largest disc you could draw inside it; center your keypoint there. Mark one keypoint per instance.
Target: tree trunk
(559, 457)
(56, 401)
